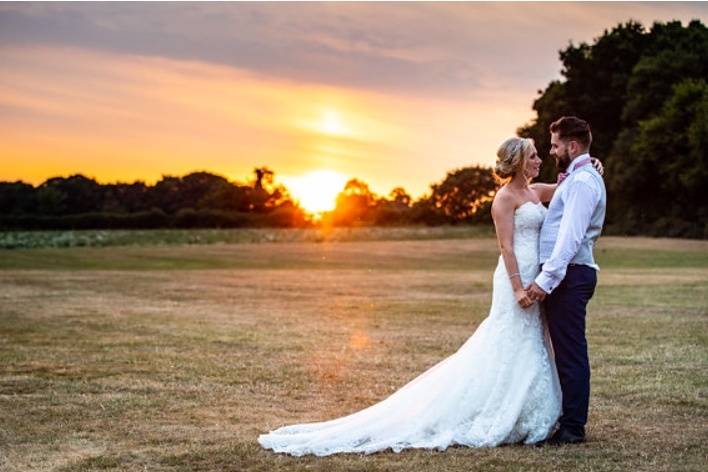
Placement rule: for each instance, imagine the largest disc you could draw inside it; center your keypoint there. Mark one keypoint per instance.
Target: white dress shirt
(580, 194)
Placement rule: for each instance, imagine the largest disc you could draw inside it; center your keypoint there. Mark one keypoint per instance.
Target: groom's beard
(563, 161)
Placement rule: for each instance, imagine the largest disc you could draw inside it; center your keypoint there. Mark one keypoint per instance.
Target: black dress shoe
(563, 436)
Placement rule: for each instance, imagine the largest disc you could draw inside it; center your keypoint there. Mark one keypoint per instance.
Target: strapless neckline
(527, 202)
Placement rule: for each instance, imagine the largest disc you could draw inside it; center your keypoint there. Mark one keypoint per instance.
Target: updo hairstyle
(511, 157)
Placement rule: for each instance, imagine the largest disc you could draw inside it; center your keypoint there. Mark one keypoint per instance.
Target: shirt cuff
(547, 282)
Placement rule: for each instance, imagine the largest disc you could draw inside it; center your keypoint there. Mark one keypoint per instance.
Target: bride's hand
(522, 298)
(597, 165)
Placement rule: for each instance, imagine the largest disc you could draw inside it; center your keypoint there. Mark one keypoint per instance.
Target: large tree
(355, 205)
(462, 197)
(660, 172)
(17, 198)
(641, 92)
(70, 195)
(594, 88)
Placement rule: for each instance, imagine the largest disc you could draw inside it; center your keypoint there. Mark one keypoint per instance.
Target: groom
(568, 272)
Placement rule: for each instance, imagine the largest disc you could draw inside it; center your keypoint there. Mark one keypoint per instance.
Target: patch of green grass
(109, 238)
(613, 258)
(329, 256)
(376, 254)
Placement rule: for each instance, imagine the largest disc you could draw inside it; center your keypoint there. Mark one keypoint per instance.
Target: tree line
(206, 200)
(199, 199)
(644, 93)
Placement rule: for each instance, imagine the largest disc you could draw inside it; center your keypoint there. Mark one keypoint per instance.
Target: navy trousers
(565, 311)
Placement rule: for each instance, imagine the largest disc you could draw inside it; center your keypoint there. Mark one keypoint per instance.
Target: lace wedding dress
(500, 387)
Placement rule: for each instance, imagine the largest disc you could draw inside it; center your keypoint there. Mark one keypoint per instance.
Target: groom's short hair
(572, 127)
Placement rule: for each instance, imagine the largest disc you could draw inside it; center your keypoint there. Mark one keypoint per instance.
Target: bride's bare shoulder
(504, 200)
(504, 194)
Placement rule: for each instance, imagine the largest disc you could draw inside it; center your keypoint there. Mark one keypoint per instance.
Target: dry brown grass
(176, 358)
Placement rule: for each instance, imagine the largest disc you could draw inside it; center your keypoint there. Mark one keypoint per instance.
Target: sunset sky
(394, 94)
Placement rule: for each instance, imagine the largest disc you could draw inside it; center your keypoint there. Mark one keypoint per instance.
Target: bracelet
(514, 275)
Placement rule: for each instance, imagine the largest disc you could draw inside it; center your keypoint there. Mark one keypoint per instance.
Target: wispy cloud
(418, 47)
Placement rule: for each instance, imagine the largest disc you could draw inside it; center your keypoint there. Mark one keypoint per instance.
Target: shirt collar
(574, 162)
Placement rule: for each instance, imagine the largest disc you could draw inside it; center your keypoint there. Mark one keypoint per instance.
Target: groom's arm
(580, 202)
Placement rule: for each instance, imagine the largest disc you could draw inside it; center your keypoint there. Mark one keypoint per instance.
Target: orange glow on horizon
(122, 117)
(316, 191)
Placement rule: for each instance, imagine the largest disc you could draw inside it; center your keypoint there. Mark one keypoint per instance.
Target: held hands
(535, 292)
(522, 298)
(527, 297)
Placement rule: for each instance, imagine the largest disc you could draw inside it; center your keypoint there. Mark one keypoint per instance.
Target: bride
(501, 386)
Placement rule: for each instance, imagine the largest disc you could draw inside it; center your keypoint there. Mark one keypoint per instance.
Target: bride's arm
(503, 209)
(545, 191)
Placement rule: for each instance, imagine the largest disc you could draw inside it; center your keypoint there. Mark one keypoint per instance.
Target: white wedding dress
(500, 387)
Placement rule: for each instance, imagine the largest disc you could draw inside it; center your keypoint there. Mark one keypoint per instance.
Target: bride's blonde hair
(511, 157)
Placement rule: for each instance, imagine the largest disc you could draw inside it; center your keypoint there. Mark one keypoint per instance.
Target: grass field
(175, 357)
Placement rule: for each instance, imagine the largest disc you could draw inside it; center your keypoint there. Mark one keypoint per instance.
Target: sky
(395, 94)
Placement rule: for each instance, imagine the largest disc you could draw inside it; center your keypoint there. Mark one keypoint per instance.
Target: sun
(316, 191)
(331, 122)
(327, 121)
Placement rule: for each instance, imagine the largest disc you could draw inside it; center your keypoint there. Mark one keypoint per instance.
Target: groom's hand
(535, 292)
